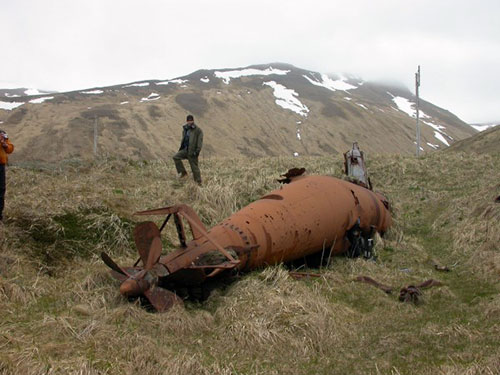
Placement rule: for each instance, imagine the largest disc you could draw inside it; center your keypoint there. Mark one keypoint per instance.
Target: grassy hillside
(61, 312)
(486, 142)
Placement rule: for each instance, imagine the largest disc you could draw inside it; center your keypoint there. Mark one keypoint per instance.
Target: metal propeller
(147, 239)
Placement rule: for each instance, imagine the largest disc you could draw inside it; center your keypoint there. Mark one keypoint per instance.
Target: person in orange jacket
(5, 148)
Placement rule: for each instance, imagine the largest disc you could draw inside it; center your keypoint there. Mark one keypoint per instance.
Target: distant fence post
(95, 136)
(417, 85)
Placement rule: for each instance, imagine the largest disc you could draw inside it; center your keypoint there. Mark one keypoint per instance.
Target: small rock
(82, 309)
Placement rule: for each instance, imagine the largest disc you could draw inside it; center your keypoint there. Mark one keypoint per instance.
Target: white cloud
(457, 43)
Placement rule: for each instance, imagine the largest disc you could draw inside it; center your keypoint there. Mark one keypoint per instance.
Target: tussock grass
(62, 313)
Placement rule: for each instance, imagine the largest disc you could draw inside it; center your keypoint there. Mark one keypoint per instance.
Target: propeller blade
(162, 299)
(118, 276)
(143, 236)
(134, 287)
(154, 253)
(111, 264)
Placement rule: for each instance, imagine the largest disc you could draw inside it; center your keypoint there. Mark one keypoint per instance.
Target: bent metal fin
(111, 264)
(144, 233)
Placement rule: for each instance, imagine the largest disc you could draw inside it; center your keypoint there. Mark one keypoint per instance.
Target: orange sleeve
(10, 147)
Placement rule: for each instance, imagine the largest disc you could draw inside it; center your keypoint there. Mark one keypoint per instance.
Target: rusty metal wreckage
(306, 214)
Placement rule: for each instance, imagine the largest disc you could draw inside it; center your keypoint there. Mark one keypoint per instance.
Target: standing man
(5, 148)
(191, 143)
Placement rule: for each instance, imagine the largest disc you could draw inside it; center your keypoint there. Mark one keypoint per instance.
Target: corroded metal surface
(305, 216)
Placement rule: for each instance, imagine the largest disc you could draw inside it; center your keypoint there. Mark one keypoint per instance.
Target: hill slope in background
(485, 126)
(486, 142)
(261, 110)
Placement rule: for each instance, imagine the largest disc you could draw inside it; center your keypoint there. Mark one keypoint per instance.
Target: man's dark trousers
(193, 162)
(2, 188)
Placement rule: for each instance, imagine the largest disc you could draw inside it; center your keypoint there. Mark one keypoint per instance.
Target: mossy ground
(61, 311)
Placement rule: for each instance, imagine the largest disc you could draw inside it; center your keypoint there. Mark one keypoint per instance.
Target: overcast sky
(74, 44)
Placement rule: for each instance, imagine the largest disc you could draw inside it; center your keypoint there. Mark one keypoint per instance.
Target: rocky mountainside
(272, 109)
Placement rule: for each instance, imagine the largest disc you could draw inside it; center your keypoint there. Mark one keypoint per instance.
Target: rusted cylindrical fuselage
(299, 219)
(303, 217)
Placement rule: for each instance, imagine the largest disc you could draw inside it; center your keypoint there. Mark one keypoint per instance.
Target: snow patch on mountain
(435, 147)
(329, 83)
(30, 92)
(440, 137)
(177, 81)
(482, 128)
(406, 106)
(205, 79)
(421, 148)
(439, 128)
(226, 76)
(152, 96)
(140, 84)
(11, 95)
(287, 98)
(92, 92)
(10, 105)
(41, 100)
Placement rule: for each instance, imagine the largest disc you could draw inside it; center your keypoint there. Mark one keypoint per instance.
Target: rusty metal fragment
(412, 293)
(288, 176)
(304, 217)
(437, 267)
(303, 275)
(369, 280)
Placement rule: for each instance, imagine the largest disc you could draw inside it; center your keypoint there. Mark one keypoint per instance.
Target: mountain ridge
(258, 110)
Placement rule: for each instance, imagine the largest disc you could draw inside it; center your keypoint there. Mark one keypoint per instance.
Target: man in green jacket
(191, 143)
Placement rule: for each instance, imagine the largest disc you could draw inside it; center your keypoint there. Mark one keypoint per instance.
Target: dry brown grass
(61, 312)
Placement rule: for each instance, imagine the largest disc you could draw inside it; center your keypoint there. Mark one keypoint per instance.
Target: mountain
(485, 126)
(22, 91)
(271, 109)
(486, 142)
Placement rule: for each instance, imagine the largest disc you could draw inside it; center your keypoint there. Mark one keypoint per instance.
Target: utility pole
(417, 85)
(95, 136)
